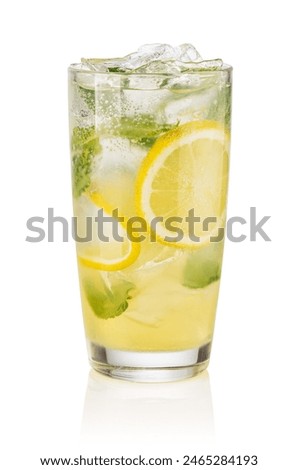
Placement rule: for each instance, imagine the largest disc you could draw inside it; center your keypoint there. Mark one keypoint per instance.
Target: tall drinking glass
(150, 161)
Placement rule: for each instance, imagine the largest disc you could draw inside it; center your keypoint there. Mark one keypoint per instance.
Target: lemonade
(150, 160)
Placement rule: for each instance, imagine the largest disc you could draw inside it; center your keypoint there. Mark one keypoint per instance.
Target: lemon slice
(185, 170)
(114, 254)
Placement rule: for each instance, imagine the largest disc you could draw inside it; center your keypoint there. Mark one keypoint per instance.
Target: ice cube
(187, 53)
(97, 65)
(214, 64)
(189, 106)
(145, 55)
(118, 153)
(158, 51)
(158, 66)
(155, 58)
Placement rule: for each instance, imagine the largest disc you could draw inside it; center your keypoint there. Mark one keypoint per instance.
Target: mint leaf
(203, 266)
(108, 302)
(143, 129)
(84, 145)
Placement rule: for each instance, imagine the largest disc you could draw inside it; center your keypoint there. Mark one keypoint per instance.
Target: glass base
(149, 366)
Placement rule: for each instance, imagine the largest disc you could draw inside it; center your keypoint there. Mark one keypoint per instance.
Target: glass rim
(77, 68)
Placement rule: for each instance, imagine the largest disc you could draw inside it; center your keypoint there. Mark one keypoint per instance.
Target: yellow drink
(150, 170)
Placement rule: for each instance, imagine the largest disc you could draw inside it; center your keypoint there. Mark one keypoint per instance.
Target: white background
(247, 403)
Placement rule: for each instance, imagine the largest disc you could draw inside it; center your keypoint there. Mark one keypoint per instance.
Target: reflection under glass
(115, 408)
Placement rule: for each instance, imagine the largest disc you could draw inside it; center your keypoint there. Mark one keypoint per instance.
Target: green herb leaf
(203, 266)
(84, 146)
(108, 302)
(143, 129)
